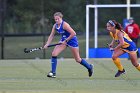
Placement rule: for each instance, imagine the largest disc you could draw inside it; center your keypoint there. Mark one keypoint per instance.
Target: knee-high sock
(138, 67)
(85, 64)
(118, 64)
(54, 64)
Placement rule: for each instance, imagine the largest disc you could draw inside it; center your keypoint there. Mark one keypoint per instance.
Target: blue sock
(85, 64)
(54, 64)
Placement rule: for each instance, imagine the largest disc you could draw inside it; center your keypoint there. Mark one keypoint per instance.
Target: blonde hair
(58, 14)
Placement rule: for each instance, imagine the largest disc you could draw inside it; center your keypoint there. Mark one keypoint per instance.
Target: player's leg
(76, 55)
(134, 60)
(117, 62)
(57, 50)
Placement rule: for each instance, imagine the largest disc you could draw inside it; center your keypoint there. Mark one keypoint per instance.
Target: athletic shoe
(51, 75)
(119, 73)
(90, 71)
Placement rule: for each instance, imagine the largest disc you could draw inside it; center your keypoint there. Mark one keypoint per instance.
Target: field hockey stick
(26, 50)
(110, 48)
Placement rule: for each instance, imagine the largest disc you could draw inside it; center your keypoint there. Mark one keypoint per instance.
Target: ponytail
(115, 24)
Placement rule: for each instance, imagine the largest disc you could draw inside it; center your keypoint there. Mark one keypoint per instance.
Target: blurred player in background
(133, 31)
(68, 39)
(124, 44)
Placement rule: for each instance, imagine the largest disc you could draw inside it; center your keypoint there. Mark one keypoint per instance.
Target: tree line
(36, 16)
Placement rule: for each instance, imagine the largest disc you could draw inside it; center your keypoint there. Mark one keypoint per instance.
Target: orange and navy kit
(128, 46)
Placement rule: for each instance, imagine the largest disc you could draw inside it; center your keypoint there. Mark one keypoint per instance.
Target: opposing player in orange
(124, 44)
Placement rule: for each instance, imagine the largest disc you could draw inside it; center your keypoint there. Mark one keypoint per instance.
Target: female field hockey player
(68, 39)
(124, 44)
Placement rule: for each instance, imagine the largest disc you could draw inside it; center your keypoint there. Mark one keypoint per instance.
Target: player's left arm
(121, 40)
(68, 28)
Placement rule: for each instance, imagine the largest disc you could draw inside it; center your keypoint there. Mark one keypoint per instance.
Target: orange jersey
(127, 40)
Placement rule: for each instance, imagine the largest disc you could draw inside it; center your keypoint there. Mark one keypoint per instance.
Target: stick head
(26, 50)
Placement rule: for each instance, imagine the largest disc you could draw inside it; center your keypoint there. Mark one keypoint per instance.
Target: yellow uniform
(128, 46)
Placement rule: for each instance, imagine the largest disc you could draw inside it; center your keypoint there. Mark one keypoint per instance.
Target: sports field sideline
(29, 76)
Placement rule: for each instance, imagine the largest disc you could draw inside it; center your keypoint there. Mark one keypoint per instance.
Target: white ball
(50, 74)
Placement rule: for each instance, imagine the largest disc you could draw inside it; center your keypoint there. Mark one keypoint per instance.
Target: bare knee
(54, 54)
(114, 57)
(78, 60)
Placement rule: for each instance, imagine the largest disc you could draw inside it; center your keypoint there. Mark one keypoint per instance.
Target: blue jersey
(65, 34)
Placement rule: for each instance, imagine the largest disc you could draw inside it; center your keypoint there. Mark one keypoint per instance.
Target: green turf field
(29, 76)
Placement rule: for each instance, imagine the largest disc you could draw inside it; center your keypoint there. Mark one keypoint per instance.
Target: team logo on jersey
(130, 29)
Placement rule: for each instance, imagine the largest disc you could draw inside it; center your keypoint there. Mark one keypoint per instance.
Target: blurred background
(27, 24)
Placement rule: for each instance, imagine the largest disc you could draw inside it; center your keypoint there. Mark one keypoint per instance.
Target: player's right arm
(112, 43)
(50, 38)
